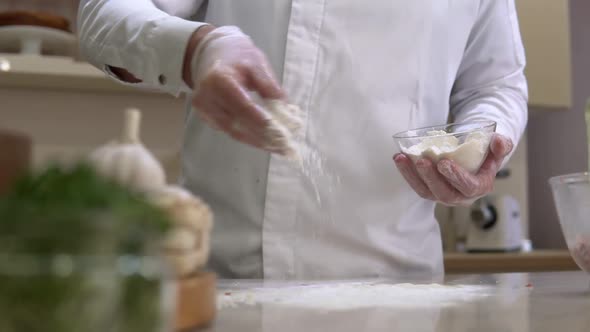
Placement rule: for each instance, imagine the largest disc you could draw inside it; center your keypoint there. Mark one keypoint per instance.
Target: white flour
(311, 166)
(287, 131)
(441, 145)
(354, 296)
(285, 123)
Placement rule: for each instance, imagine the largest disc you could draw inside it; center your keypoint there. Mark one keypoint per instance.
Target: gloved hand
(448, 183)
(225, 67)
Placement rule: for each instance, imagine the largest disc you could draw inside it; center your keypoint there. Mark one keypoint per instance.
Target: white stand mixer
(495, 224)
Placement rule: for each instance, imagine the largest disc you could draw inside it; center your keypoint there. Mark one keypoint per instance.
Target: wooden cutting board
(15, 157)
(196, 304)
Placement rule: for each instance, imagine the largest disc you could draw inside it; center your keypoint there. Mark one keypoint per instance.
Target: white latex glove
(226, 67)
(448, 183)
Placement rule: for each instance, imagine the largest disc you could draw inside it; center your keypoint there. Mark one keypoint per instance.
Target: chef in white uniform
(360, 71)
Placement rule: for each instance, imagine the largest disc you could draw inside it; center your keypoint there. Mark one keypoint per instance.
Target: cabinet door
(545, 30)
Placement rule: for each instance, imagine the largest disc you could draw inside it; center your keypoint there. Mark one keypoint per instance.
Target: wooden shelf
(535, 261)
(53, 72)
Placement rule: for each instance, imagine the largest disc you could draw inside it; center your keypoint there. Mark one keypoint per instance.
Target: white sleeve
(179, 8)
(137, 36)
(490, 83)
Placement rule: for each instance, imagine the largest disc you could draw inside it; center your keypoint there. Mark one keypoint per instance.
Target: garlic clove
(180, 240)
(187, 261)
(170, 194)
(186, 264)
(187, 244)
(127, 161)
(185, 209)
(130, 165)
(184, 258)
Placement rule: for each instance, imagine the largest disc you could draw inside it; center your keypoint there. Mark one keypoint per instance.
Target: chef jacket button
(162, 79)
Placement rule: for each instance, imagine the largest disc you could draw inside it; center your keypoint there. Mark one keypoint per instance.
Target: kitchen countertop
(539, 302)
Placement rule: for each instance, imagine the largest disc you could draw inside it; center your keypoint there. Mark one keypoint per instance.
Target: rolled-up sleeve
(138, 37)
(490, 83)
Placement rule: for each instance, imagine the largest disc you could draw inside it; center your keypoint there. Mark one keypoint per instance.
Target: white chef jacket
(361, 71)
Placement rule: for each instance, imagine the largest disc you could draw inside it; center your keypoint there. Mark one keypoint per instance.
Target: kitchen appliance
(495, 223)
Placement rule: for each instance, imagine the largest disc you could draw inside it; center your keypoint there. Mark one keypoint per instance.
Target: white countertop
(545, 302)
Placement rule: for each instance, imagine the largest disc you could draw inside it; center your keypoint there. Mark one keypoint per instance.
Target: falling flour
(286, 132)
(442, 145)
(311, 166)
(354, 295)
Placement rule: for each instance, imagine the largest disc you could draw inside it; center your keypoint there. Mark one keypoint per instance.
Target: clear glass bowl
(92, 294)
(571, 194)
(466, 143)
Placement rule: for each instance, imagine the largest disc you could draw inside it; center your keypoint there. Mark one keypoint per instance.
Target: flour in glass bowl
(442, 145)
(346, 296)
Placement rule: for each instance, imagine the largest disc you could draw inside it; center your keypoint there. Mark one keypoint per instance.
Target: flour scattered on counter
(354, 296)
(440, 145)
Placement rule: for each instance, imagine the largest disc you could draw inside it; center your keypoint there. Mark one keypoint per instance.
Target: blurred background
(66, 107)
(65, 8)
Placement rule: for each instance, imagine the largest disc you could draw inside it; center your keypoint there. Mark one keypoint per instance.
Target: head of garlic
(186, 246)
(127, 161)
